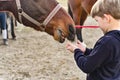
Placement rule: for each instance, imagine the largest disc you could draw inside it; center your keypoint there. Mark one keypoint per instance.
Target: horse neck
(8, 5)
(37, 9)
(87, 4)
(40, 8)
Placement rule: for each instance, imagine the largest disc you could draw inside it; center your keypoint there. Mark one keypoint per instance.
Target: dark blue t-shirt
(103, 61)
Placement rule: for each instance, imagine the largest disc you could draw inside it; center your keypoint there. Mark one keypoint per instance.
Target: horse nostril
(71, 29)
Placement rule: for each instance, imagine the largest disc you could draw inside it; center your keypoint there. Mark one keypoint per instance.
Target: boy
(103, 61)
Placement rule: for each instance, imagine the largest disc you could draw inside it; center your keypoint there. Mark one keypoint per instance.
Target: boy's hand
(81, 46)
(71, 47)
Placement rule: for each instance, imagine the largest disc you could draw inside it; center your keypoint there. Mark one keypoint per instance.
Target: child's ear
(107, 17)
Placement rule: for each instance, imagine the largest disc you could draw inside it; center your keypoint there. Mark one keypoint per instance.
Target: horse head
(37, 14)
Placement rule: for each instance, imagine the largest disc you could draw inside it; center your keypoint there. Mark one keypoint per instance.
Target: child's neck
(115, 25)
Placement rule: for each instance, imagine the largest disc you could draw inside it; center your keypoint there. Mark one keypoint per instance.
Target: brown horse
(42, 15)
(79, 9)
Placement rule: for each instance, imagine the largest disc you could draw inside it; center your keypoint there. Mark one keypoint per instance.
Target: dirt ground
(37, 56)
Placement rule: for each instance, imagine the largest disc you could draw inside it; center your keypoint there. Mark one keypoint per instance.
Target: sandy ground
(37, 56)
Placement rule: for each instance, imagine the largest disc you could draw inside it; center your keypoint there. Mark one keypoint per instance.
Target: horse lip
(61, 36)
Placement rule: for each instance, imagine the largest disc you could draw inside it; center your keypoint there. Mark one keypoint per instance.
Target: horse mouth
(61, 36)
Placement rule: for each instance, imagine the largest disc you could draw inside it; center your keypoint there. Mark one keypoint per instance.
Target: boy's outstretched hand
(71, 47)
(79, 45)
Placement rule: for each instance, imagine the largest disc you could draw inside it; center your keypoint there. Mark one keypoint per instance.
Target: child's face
(102, 22)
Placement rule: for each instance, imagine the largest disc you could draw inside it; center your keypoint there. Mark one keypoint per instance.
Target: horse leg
(70, 11)
(82, 20)
(78, 31)
(75, 11)
(77, 19)
(83, 17)
(7, 31)
(12, 29)
(79, 34)
(15, 22)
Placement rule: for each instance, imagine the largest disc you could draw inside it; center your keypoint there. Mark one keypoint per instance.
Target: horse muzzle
(60, 35)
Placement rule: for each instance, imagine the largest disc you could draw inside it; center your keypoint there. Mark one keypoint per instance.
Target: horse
(79, 10)
(42, 15)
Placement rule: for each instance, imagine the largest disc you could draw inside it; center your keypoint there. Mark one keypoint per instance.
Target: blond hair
(111, 7)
